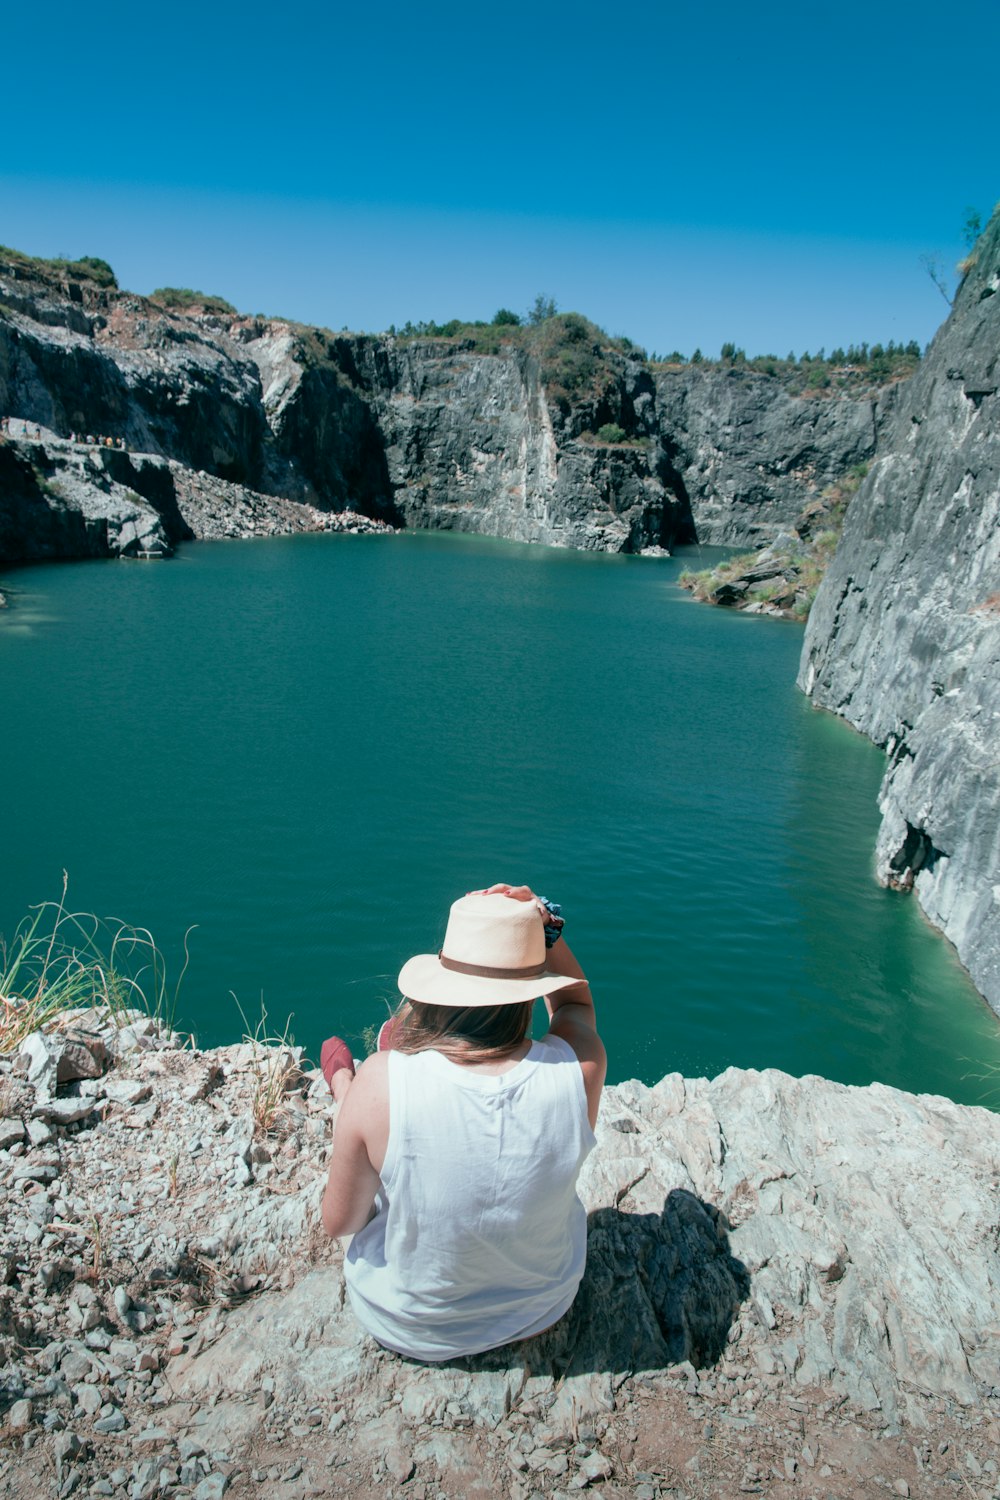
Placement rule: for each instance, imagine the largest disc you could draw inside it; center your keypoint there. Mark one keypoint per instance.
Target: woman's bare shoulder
(373, 1074)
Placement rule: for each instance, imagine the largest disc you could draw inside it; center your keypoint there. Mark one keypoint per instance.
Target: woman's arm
(572, 1016)
(362, 1128)
(571, 1010)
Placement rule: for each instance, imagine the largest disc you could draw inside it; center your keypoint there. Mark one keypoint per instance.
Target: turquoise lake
(307, 747)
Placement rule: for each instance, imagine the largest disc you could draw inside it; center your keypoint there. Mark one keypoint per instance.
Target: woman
(457, 1150)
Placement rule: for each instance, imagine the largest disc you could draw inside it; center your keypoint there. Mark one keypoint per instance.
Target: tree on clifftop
(541, 310)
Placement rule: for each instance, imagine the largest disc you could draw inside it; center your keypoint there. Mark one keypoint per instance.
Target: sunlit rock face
(420, 433)
(904, 637)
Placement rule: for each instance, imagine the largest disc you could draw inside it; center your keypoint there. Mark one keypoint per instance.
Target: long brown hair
(484, 1033)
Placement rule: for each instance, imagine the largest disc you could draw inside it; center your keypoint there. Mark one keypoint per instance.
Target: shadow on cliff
(659, 1289)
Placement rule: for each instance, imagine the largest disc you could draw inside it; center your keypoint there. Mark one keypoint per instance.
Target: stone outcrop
(59, 499)
(749, 456)
(788, 1281)
(904, 637)
(63, 499)
(408, 432)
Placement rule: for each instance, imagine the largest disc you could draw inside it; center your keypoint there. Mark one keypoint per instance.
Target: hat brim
(425, 979)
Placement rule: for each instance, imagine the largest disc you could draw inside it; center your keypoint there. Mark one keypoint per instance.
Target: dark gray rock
(245, 426)
(748, 455)
(59, 499)
(904, 636)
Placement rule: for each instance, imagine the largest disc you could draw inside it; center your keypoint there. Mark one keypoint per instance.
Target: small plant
(97, 1245)
(765, 592)
(972, 227)
(172, 1175)
(611, 433)
(59, 963)
(274, 1069)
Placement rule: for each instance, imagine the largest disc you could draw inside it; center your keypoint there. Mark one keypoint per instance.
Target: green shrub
(504, 318)
(183, 297)
(611, 433)
(95, 268)
(87, 268)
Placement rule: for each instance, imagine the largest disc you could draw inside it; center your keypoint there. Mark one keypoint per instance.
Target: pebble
(11, 1134)
(592, 1470)
(88, 1398)
(212, 1487)
(113, 1422)
(43, 1172)
(127, 1091)
(62, 1111)
(152, 1436)
(20, 1415)
(399, 1464)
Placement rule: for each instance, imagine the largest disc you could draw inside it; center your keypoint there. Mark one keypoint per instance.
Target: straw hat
(493, 954)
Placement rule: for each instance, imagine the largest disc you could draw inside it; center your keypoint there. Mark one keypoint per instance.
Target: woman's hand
(518, 893)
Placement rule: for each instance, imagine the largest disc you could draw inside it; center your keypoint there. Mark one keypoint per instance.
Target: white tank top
(479, 1237)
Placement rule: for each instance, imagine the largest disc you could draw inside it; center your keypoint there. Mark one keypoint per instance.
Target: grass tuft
(61, 963)
(275, 1069)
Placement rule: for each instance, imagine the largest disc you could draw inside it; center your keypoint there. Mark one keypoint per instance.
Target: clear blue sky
(685, 174)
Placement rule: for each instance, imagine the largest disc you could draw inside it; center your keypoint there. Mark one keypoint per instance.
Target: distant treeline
(561, 340)
(877, 360)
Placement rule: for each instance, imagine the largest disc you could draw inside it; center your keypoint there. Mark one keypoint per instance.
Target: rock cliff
(415, 432)
(904, 637)
(749, 456)
(792, 1288)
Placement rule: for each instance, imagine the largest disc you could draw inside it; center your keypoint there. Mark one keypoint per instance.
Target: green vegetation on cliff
(572, 350)
(87, 268)
(782, 578)
(850, 371)
(184, 299)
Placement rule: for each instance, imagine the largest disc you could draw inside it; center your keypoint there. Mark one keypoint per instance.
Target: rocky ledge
(783, 577)
(792, 1288)
(61, 498)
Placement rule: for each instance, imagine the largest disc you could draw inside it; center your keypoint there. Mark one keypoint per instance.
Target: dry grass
(60, 964)
(274, 1067)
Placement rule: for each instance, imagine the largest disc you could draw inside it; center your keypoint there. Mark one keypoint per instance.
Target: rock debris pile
(793, 1289)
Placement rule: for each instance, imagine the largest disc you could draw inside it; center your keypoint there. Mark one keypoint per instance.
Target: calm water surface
(309, 746)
